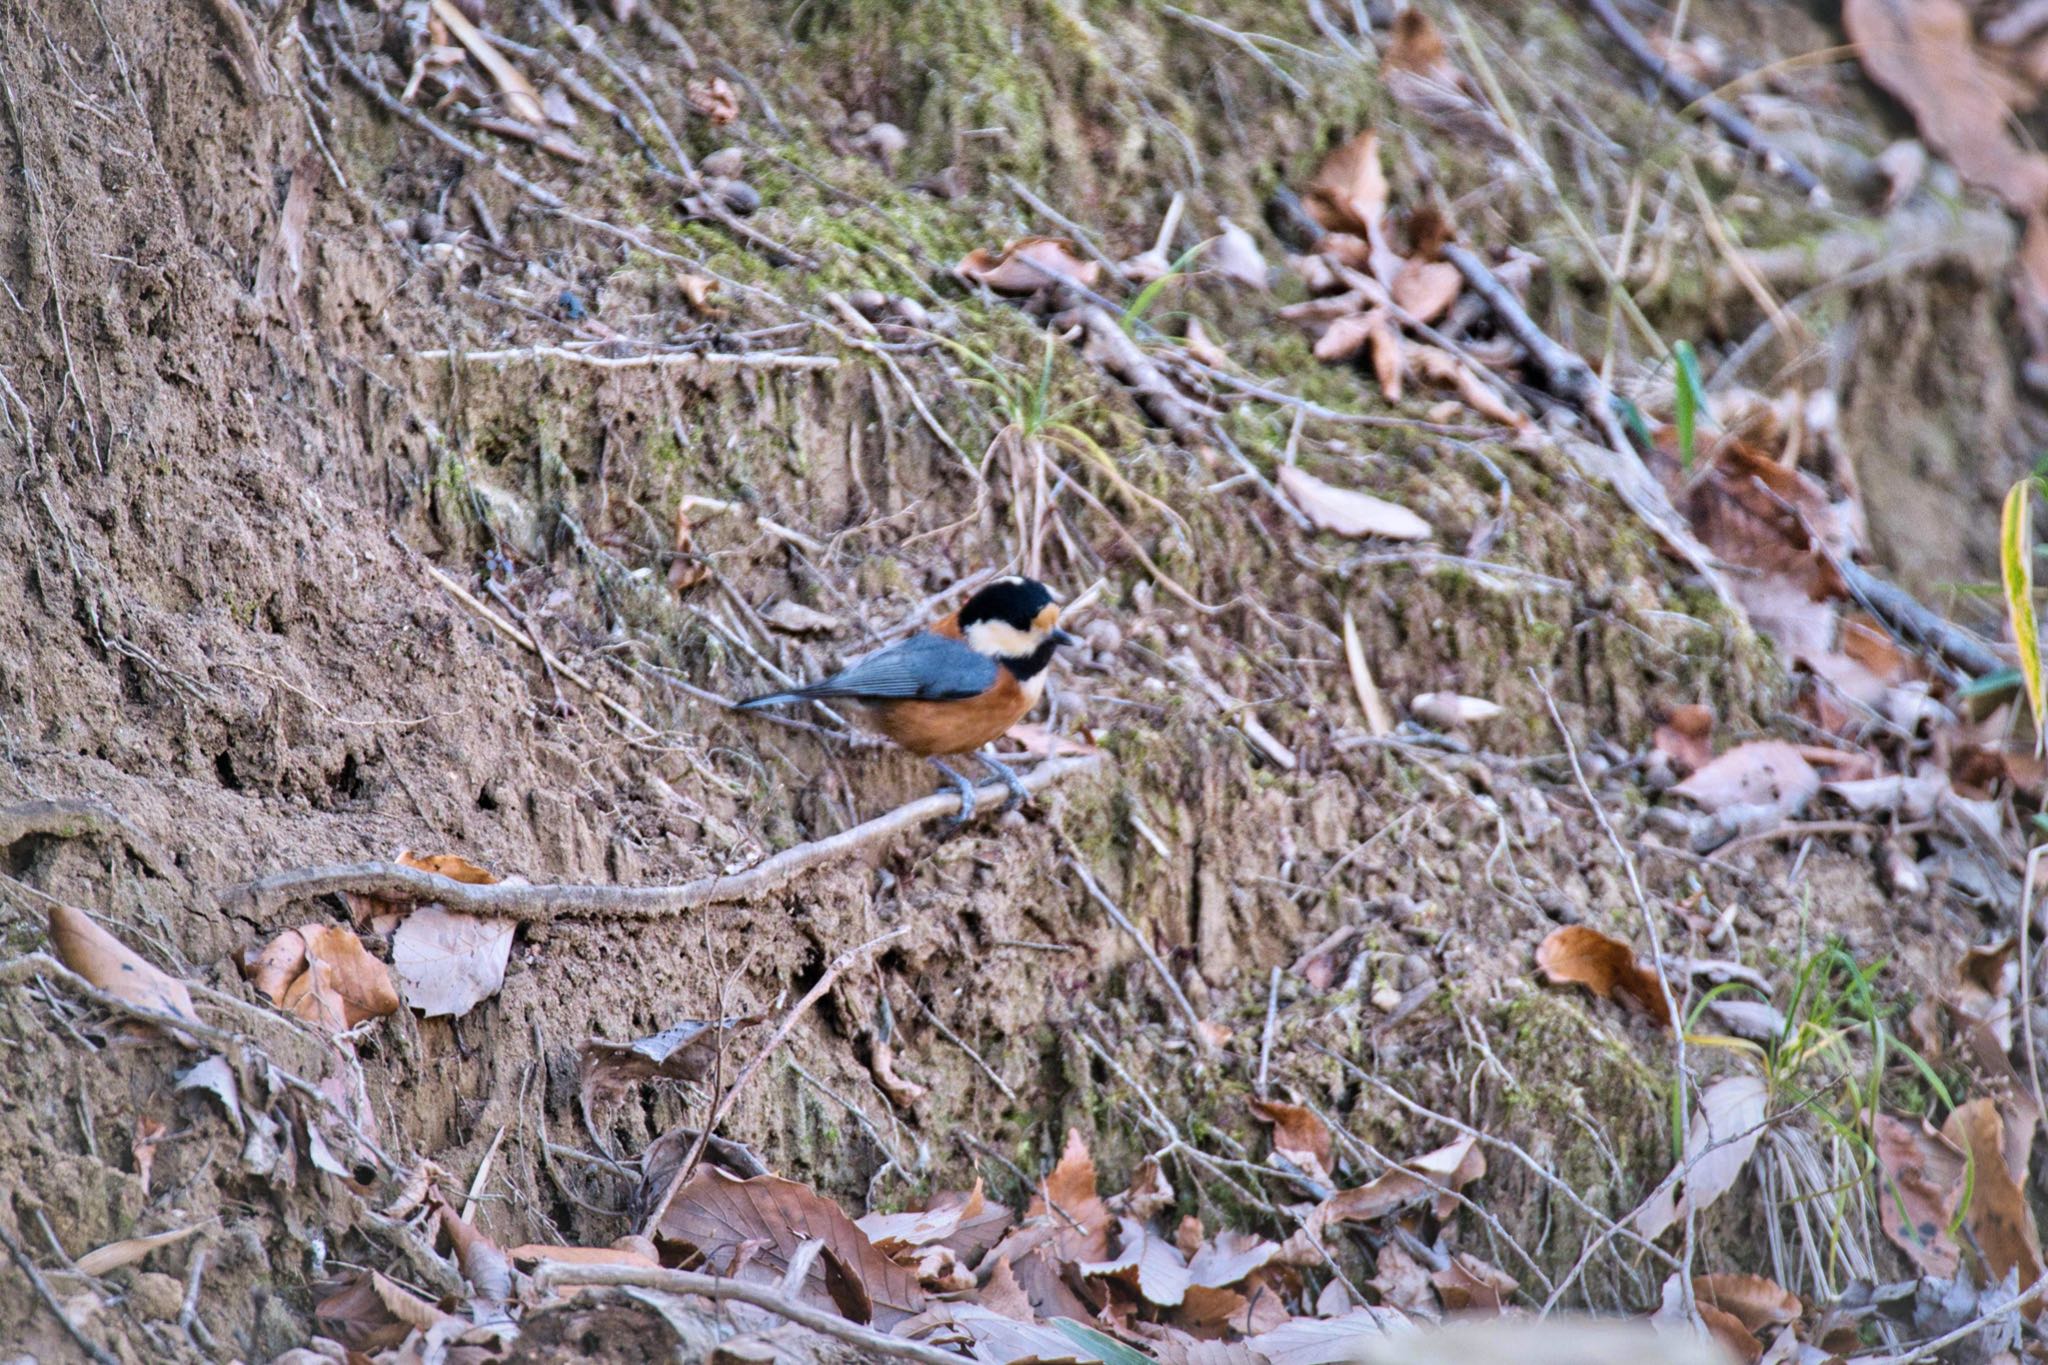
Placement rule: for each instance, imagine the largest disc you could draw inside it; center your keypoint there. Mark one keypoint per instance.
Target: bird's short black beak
(1061, 637)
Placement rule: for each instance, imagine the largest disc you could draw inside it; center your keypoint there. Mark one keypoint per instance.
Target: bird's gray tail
(770, 699)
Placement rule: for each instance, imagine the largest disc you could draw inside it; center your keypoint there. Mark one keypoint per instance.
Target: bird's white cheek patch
(1001, 640)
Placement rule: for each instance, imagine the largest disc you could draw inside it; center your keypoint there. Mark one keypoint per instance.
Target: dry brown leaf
(1028, 265)
(687, 568)
(1299, 1134)
(449, 865)
(1726, 1126)
(484, 1263)
(1146, 1262)
(1580, 955)
(721, 1217)
(112, 966)
(1470, 1284)
(951, 1219)
(447, 963)
(1727, 1329)
(1082, 1219)
(323, 974)
(1755, 1301)
(1389, 360)
(148, 1132)
(1148, 1195)
(1754, 512)
(114, 1255)
(715, 99)
(1435, 1175)
(1925, 55)
(682, 1052)
(1441, 367)
(409, 1308)
(1234, 254)
(1004, 1295)
(1427, 289)
(351, 1311)
(1765, 773)
(1349, 191)
(1230, 1258)
(1982, 991)
(1920, 1184)
(792, 617)
(1403, 1283)
(1348, 512)
(1684, 736)
(1999, 1219)
(1203, 348)
(697, 292)
(521, 100)
(1343, 339)
(1420, 76)
(1321, 1341)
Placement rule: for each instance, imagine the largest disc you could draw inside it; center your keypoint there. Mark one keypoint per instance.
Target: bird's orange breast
(933, 728)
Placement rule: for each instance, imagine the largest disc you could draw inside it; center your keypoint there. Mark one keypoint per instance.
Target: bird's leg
(966, 790)
(1019, 793)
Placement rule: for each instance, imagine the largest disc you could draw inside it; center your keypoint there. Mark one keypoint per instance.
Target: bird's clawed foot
(1019, 793)
(966, 790)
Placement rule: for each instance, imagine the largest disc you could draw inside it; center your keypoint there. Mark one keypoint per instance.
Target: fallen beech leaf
(1726, 1126)
(1427, 288)
(722, 1217)
(697, 292)
(940, 1221)
(1982, 990)
(1349, 191)
(1470, 1283)
(114, 1255)
(1389, 363)
(1152, 1266)
(1028, 265)
(1347, 512)
(1234, 254)
(1299, 1134)
(1343, 339)
(215, 1077)
(1002, 1294)
(715, 99)
(449, 865)
(1727, 1329)
(447, 963)
(1999, 1219)
(1404, 1284)
(1920, 1184)
(1438, 1175)
(148, 1132)
(1069, 1195)
(1683, 737)
(1752, 511)
(409, 1308)
(351, 1311)
(1202, 348)
(112, 966)
(1755, 1301)
(683, 1051)
(687, 568)
(1764, 772)
(1420, 76)
(794, 618)
(1451, 711)
(1229, 1259)
(1213, 1034)
(1441, 367)
(324, 975)
(1148, 1194)
(1580, 955)
(1925, 55)
(1037, 739)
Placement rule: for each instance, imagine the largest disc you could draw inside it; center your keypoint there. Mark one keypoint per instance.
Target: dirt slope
(246, 467)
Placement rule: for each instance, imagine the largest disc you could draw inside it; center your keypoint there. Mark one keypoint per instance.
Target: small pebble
(725, 163)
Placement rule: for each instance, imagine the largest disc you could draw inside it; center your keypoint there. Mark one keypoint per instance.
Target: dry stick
(1697, 95)
(538, 904)
(1060, 220)
(1101, 898)
(1266, 1038)
(840, 964)
(957, 1041)
(708, 360)
(1671, 1012)
(549, 1274)
(99, 1353)
(1911, 621)
(1969, 1329)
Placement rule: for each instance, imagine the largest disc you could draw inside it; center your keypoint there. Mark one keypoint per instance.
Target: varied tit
(959, 684)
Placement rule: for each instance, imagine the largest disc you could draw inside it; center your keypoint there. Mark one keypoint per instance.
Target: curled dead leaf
(1470, 1284)
(1299, 1134)
(323, 974)
(1348, 512)
(715, 99)
(1920, 1186)
(1726, 1125)
(1028, 265)
(1757, 1302)
(684, 1051)
(1349, 191)
(1427, 289)
(447, 963)
(115, 968)
(1766, 773)
(1583, 956)
(1436, 1175)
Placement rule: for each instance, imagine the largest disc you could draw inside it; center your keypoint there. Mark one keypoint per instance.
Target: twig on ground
(549, 1274)
(1117, 917)
(1696, 94)
(840, 964)
(1916, 624)
(957, 1041)
(188, 1311)
(1061, 221)
(1928, 1349)
(683, 360)
(1266, 1036)
(99, 1354)
(535, 904)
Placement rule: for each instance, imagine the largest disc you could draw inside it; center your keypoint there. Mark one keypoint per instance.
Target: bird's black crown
(1014, 601)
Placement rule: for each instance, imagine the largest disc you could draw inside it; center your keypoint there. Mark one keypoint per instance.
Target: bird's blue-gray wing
(923, 668)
